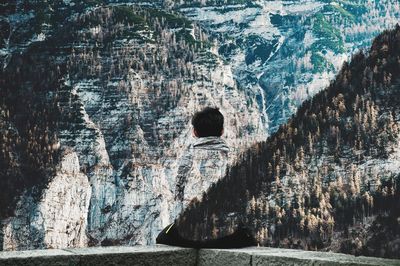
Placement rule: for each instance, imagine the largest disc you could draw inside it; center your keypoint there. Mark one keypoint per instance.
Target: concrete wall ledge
(165, 255)
(276, 256)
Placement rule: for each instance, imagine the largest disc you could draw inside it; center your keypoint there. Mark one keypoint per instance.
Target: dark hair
(208, 122)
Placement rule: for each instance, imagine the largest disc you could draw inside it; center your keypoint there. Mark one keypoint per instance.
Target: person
(205, 161)
(203, 164)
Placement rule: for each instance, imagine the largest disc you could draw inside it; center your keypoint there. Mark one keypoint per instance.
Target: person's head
(208, 122)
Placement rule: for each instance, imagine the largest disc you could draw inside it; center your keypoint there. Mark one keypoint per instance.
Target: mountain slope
(329, 178)
(115, 86)
(287, 51)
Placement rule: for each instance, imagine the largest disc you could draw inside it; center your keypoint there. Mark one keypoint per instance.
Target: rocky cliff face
(131, 86)
(118, 83)
(59, 218)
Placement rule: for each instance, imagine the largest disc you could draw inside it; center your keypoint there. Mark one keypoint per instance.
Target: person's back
(205, 160)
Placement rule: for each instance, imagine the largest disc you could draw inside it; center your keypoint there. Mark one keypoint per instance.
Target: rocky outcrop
(59, 219)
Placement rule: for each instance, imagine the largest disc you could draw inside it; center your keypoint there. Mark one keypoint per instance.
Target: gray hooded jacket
(204, 163)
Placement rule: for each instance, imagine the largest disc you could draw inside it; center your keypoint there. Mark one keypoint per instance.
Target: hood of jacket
(211, 143)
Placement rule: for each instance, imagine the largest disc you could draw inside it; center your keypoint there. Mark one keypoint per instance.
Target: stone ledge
(137, 255)
(277, 256)
(165, 255)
